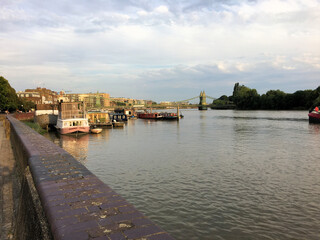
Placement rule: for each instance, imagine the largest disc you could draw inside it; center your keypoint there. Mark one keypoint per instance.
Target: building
(166, 103)
(47, 96)
(34, 97)
(128, 102)
(121, 101)
(92, 100)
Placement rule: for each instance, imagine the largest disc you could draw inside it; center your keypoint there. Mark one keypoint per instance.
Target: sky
(160, 50)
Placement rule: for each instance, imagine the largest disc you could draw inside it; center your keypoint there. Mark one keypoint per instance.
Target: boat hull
(314, 117)
(74, 125)
(118, 124)
(96, 130)
(155, 116)
(169, 116)
(76, 129)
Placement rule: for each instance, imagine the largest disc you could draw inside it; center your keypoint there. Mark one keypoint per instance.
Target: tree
(245, 98)
(8, 97)
(25, 105)
(316, 100)
(273, 99)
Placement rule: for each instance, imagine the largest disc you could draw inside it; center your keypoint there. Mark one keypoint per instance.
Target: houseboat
(99, 119)
(156, 116)
(118, 117)
(71, 118)
(169, 116)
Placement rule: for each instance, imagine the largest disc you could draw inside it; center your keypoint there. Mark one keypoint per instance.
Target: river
(215, 174)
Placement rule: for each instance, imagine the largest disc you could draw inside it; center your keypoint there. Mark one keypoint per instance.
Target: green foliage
(121, 104)
(316, 102)
(246, 98)
(273, 99)
(8, 97)
(222, 101)
(25, 105)
(35, 126)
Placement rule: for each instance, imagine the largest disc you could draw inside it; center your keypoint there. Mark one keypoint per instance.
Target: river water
(215, 174)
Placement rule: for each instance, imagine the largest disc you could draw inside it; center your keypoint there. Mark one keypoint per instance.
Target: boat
(118, 117)
(117, 124)
(151, 115)
(170, 116)
(314, 116)
(99, 119)
(96, 130)
(71, 119)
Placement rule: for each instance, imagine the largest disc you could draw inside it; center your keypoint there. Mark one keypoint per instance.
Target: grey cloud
(39, 13)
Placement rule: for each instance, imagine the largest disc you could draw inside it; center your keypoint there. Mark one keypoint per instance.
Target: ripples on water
(215, 174)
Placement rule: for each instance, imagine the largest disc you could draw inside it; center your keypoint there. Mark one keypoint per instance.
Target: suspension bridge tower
(203, 101)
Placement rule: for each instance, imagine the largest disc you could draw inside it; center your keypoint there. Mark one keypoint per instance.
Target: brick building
(47, 96)
(34, 97)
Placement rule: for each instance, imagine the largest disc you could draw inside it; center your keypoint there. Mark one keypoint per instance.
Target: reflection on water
(76, 145)
(215, 174)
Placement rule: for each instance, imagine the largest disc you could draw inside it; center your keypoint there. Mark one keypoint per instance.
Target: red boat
(314, 117)
(150, 115)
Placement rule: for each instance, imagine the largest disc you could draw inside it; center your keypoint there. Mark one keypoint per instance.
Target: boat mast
(178, 114)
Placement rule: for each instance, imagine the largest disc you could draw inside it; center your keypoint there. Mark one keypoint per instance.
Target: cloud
(142, 47)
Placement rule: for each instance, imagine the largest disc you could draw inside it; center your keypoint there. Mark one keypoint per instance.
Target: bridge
(97, 101)
(203, 100)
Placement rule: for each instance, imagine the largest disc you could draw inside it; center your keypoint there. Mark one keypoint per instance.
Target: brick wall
(77, 205)
(24, 116)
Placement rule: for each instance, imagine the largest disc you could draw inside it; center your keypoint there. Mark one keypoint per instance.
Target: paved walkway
(6, 183)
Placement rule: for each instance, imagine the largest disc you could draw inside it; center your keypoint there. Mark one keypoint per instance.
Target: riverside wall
(59, 198)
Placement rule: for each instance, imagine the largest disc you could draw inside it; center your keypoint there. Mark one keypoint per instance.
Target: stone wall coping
(78, 205)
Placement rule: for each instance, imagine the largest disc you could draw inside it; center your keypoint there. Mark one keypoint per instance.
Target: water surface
(215, 174)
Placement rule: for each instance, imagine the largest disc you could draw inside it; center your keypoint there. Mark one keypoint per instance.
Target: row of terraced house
(92, 100)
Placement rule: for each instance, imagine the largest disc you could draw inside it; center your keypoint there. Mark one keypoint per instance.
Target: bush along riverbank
(35, 126)
(245, 98)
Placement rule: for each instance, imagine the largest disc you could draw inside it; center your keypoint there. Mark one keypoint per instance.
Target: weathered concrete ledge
(76, 203)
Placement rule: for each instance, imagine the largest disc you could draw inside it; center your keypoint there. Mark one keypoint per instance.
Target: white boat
(73, 125)
(96, 130)
(72, 119)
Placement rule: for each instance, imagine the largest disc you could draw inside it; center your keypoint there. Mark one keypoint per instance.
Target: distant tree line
(248, 99)
(9, 101)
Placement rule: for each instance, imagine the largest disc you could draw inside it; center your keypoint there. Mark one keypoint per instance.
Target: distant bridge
(203, 100)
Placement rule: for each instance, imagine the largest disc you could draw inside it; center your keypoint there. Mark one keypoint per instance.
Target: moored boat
(170, 116)
(150, 116)
(74, 125)
(314, 116)
(99, 119)
(117, 124)
(71, 119)
(96, 130)
(118, 117)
